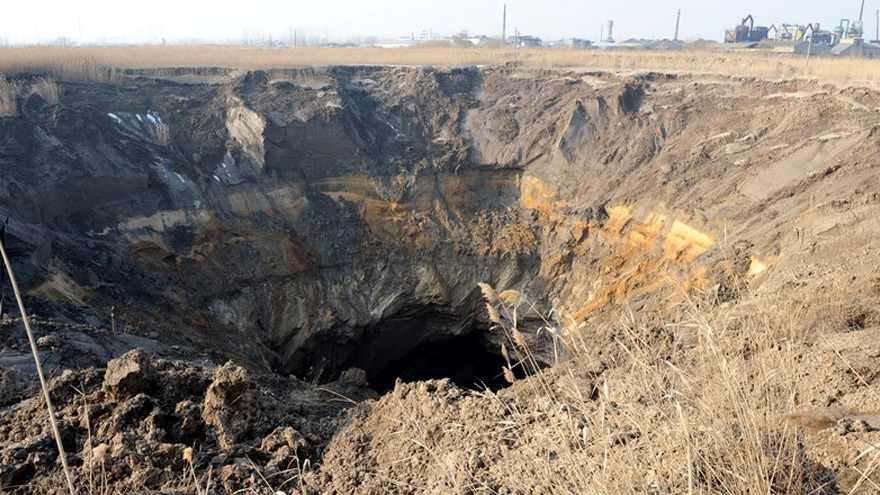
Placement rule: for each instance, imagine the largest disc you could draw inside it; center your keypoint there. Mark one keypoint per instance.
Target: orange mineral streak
(645, 256)
(534, 195)
(684, 243)
(756, 267)
(646, 233)
(618, 218)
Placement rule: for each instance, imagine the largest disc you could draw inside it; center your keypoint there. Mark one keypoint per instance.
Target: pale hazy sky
(121, 21)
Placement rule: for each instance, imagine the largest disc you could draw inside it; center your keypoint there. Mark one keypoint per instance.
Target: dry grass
(8, 98)
(48, 90)
(12, 93)
(701, 414)
(106, 64)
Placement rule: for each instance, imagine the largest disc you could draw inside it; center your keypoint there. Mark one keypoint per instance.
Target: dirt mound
(146, 424)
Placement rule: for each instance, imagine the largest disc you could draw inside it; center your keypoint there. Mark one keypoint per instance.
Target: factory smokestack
(504, 25)
(677, 23)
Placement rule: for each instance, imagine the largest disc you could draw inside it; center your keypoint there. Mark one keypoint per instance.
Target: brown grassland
(106, 63)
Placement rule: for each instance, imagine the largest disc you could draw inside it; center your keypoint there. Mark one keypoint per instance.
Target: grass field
(107, 63)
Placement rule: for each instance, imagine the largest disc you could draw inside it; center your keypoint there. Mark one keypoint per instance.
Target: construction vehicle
(746, 32)
(791, 32)
(797, 33)
(817, 36)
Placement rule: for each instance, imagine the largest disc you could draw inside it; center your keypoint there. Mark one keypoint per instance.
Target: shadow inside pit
(418, 343)
(463, 359)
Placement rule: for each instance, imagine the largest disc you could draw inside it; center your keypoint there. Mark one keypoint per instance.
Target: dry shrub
(8, 98)
(11, 93)
(161, 133)
(48, 90)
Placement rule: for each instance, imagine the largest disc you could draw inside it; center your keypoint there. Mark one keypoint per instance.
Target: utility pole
(677, 23)
(877, 33)
(810, 48)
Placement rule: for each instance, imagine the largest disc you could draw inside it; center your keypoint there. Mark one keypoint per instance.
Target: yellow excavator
(746, 32)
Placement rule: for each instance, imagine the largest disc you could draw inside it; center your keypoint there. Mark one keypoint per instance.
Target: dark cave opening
(417, 343)
(464, 359)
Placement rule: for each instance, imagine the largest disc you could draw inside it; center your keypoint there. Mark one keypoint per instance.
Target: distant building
(395, 43)
(577, 43)
(667, 45)
(797, 47)
(528, 41)
(856, 47)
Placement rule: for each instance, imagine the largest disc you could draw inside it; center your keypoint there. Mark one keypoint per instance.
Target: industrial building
(846, 40)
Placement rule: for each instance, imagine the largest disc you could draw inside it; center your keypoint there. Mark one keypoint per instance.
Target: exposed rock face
(282, 217)
(258, 215)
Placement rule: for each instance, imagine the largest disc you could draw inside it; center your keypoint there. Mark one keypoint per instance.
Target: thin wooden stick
(45, 387)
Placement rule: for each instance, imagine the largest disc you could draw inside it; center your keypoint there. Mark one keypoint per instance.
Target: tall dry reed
(107, 64)
(694, 407)
(8, 98)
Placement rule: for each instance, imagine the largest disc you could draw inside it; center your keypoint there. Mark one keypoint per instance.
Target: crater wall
(283, 217)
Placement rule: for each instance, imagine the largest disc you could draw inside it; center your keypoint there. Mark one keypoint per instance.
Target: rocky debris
(287, 447)
(229, 405)
(411, 424)
(148, 424)
(15, 385)
(64, 345)
(129, 375)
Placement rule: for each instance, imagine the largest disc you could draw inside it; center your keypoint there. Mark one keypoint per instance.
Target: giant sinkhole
(312, 220)
(306, 220)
